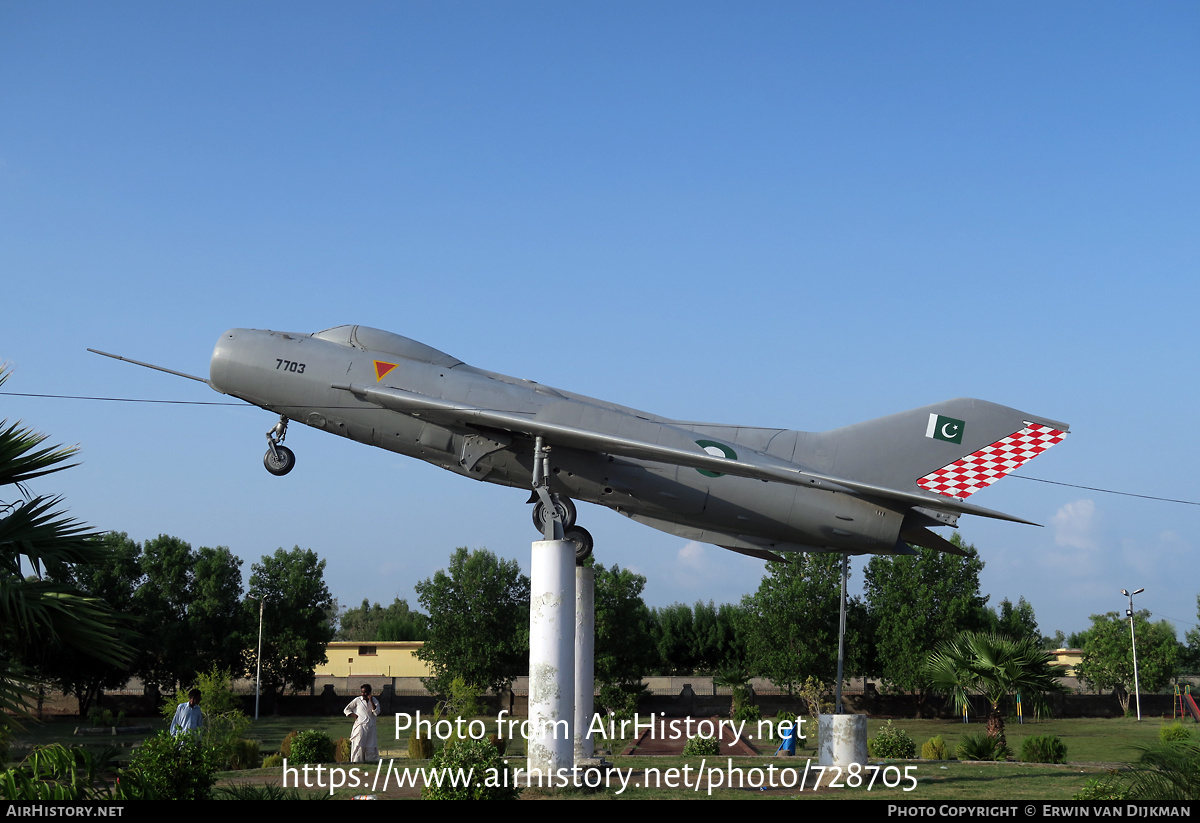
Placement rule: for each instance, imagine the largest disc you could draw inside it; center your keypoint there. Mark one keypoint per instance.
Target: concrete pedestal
(551, 656)
(585, 655)
(842, 739)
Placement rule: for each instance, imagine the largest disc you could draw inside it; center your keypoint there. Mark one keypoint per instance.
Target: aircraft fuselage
(310, 379)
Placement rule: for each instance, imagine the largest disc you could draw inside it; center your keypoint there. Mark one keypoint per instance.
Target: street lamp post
(262, 601)
(1133, 642)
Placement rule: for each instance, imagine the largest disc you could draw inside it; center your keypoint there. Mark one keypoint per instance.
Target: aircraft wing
(445, 411)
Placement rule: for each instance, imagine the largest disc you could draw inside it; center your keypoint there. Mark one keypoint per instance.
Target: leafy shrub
(797, 729)
(891, 742)
(224, 723)
(419, 748)
(59, 773)
(815, 695)
(273, 761)
(247, 791)
(1047, 748)
(981, 747)
(747, 714)
(780, 719)
(489, 775)
(934, 749)
(223, 732)
(701, 746)
(311, 747)
(97, 716)
(464, 700)
(216, 692)
(341, 750)
(1104, 788)
(1172, 732)
(175, 768)
(5, 741)
(285, 748)
(621, 699)
(243, 754)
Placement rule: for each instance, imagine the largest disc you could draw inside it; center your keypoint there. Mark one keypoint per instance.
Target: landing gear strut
(279, 459)
(553, 514)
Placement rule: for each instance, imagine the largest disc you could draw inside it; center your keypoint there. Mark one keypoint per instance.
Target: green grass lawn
(1094, 747)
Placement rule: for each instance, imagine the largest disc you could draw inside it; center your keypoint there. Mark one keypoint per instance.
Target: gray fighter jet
(870, 488)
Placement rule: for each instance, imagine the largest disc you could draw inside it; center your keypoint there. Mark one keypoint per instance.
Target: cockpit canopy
(385, 342)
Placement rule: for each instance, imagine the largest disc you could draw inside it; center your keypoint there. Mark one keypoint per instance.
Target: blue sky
(792, 214)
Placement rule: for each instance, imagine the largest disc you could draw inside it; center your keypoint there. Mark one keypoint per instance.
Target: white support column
(842, 739)
(551, 656)
(585, 656)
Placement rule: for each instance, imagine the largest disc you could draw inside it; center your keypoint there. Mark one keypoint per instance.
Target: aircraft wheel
(280, 466)
(582, 539)
(566, 512)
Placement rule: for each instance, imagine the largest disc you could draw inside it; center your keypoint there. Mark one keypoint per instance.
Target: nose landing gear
(279, 459)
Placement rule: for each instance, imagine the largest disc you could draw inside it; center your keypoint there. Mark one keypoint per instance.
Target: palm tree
(35, 534)
(995, 666)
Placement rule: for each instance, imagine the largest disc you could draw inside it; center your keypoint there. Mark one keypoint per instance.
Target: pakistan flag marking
(716, 450)
(945, 428)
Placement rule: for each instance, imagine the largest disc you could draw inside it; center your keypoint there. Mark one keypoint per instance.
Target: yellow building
(1071, 658)
(379, 658)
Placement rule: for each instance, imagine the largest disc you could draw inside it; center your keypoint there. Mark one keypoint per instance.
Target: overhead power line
(223, 403)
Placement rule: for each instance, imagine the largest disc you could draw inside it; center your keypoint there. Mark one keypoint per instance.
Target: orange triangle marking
(382, 369)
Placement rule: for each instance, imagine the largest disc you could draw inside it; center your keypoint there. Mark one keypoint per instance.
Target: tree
(190, 608)
(373, 622)
(701, 638)
(624, 650)
(675, 639)
(36, 534)
(1189, 655)
(792, 622)
(297, 618)
(719, 635)
(1017, 622)
(1108, 655)
(917, 602)
(219, 623)
(162, 604)
(478, 621)
(1058, 640)
(996, 667)
(114, 582)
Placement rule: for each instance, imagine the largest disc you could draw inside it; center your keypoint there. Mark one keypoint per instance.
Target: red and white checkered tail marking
(964, 477)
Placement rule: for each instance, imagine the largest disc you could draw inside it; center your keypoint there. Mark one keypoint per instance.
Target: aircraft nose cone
(221, 366)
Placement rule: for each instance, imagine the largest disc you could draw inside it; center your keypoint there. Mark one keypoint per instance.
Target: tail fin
(953, 449)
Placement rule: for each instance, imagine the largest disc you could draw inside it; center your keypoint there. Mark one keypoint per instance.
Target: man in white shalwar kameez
(364, 745)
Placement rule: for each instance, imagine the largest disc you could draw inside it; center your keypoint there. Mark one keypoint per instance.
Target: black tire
(582, 539)
(281, 465)
(566, 510)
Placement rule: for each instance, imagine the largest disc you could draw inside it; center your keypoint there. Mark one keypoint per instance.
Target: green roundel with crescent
(716, 450)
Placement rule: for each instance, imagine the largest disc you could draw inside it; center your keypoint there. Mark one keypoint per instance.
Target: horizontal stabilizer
(930, 540)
